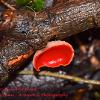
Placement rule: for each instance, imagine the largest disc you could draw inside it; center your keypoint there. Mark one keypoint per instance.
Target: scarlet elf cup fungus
(55, 54)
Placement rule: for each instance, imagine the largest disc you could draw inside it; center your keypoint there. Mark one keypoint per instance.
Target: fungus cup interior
(55, 54)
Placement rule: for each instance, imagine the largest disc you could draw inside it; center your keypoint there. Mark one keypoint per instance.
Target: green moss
(22, 2)
(38, 5)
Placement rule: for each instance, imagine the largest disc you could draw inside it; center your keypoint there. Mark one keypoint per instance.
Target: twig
(7, 5)
(68, 77)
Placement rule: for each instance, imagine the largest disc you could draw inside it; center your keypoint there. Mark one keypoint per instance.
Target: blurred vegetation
(35, 5)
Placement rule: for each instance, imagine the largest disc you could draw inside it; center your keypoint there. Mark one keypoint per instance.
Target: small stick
(7, 5)
(68, 77)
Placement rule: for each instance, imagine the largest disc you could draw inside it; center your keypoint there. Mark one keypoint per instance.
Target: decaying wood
(25, 31)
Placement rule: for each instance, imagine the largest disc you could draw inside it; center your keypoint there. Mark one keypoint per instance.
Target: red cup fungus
(55, 54)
